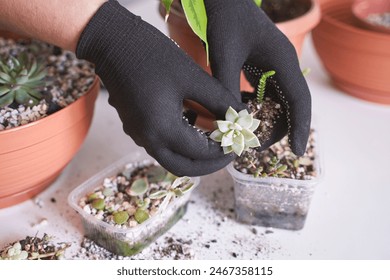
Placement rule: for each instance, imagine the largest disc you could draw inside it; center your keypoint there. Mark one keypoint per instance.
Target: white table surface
(348, 217)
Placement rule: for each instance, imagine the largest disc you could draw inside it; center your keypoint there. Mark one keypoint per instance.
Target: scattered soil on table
(34, 248)
(168, 248)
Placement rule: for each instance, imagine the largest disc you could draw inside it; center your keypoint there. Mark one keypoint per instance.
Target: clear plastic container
(274, 202)
(126, 242)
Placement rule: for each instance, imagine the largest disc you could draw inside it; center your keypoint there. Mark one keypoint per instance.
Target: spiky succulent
(236, 132)
(21, 79)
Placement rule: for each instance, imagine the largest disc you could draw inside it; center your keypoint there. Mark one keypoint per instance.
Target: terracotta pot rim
(309, 19)
(327, 16)
(362, 8)
(54, 115)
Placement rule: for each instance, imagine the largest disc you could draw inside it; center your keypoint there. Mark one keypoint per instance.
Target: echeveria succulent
(236, 132)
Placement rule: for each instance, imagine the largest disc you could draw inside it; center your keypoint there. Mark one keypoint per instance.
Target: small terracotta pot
(33, 155)
(363, 8)
(295, 29)
(357, 60)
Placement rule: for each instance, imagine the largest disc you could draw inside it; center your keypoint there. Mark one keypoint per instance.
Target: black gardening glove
(148, 76)
(241, 36)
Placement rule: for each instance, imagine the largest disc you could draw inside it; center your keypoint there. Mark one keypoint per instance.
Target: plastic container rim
(111, 170)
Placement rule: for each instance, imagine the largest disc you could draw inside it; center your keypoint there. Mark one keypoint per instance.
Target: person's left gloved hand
(240, 33)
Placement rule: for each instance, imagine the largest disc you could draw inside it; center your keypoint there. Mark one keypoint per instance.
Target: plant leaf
(224, 126)
(7, 99)
(139, 187)
(98, 204)
(231, 115)
(216, 135)
(195, 12)
(167, 5)
(239, 144)
(165, 202)
(245, 121)
(227, 150)
(169, 177)
(178, 192)
(180, 181)
(227, 139)
(187, 187)
(253, 143)
(156, 174)
(258, 3)
(158, 194)
(121, 217)
(141, 216)
(255, 125)
(4, 90)
(248, 135)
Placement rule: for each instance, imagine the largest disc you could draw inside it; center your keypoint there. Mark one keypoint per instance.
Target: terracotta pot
(295, 29)
(357, 60)
(363, 8)
(33, 155)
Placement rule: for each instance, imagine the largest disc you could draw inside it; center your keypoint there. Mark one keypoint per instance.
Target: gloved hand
(240, 33)
(148, 76)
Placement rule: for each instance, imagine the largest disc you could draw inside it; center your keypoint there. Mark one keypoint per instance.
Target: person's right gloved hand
(241, 36)
(148, 76)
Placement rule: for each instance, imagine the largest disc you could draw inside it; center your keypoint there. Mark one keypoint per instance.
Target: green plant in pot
(129, 205)
(182, 33)
(273, 186)
(41, 86)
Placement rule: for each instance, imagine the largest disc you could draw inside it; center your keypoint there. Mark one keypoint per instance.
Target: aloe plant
(21, 79)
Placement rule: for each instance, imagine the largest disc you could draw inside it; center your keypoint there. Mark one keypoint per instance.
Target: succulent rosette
(236, 133)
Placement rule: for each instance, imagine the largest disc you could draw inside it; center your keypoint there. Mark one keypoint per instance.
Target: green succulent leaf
(180, 181)
(195, 12)
(258, 3)
(231, 115)
(248, 135)
(7, 99)
(224, 126)
(169, 177)
(143, 203)
(165, 202)
(255, 125)
(227, 139)
(167, 5)
(98, 204)
(23, 77)
(187, 188)
(139, 187)
(156, 174)
(262, 85)
(216, 135)
(253, 143)
(3, 90)
(121, 217)
(245, 121)
(141, 216)
(238, 144)
(158, 194)
(236, 133)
